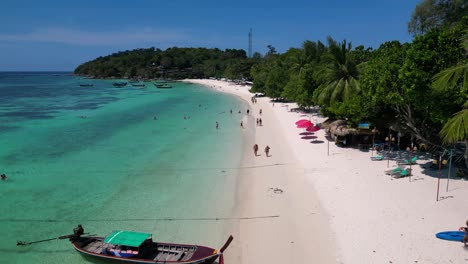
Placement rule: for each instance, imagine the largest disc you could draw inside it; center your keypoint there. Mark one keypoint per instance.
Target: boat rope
(138, 219)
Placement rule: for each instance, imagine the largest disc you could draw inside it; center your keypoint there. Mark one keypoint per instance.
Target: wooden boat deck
(95, 247)
(173, 253)
(163, 252)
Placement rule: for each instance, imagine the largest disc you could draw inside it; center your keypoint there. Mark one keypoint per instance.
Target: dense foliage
(430, 14)
(390, 87)
(176, 63)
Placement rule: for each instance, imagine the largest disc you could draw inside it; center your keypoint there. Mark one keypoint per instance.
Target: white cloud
(79, 37)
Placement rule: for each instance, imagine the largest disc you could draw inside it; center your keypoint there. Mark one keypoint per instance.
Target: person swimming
(3, 177)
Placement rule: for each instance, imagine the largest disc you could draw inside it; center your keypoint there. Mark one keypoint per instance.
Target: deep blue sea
(112, 158)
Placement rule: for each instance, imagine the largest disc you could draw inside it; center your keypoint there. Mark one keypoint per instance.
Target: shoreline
(364, 215)
(295, 227)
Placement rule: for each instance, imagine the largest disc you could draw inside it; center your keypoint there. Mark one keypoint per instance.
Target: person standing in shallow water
(217, 125)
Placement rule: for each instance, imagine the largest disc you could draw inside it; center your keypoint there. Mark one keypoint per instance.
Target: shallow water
(96, 156)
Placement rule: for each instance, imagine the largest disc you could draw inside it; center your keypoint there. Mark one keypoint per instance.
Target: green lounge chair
(394, 171)
(378, 157)
(403, 173)
(409, 162)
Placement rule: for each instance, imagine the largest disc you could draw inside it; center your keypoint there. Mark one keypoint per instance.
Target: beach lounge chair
(393, 171)
(409, 162)
(403, 173)
(378, 157)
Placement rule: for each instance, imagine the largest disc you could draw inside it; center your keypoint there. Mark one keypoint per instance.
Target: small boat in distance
(119, 84)
(138, 85)
(137, 247)
(163, 85)
(86, 84)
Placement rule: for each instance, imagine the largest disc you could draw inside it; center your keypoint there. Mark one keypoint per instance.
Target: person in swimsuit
(267, 150)
(255, 149)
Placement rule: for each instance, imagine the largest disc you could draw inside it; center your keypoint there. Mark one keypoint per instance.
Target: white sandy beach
(337, 208)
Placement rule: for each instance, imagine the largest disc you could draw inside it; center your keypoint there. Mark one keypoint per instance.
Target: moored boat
(137, 247)
(119, 84)
(86, 84)
(163, 86)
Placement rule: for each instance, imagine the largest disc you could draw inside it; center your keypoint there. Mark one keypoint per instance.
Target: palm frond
(450, 77)
(456, 129)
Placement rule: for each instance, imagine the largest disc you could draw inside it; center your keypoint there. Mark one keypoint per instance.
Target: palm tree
(449, 78)
(340, 74)
(456, 128)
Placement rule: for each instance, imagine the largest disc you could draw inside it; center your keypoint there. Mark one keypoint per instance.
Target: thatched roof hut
(340, 128)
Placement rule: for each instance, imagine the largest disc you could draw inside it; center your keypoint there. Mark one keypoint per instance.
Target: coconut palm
(456, 128)
(340, 74)
(449, 78)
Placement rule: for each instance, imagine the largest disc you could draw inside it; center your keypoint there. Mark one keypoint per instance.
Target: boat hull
(203, 256)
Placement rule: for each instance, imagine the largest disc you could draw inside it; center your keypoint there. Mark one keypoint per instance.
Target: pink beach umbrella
(302, 121)
(313, 129)
(305, 124)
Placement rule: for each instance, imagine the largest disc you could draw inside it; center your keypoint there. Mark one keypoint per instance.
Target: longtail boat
(137, 247)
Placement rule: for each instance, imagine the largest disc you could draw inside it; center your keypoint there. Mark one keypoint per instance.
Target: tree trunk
(406, 113)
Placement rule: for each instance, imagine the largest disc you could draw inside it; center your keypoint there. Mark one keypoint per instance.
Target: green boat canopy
(126, 238)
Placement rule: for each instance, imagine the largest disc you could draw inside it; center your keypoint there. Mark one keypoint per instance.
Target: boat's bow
(226, 245)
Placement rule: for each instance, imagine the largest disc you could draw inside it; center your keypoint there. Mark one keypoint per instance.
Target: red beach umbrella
(305, 124)
(302, 121)
(313, 129)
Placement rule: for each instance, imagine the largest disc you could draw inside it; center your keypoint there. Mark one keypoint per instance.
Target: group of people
(254, 100)
(267, 150)
(259, 122)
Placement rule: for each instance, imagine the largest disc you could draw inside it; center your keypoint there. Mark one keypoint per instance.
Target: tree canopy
(430, 14)
(173, 62)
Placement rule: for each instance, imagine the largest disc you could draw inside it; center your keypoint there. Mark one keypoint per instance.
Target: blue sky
(59, 35)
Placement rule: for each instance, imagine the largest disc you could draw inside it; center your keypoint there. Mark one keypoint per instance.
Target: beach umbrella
(312, 128)
(302, 121)
(305, 124)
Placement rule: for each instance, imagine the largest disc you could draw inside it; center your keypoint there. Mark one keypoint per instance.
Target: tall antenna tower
(250, 43)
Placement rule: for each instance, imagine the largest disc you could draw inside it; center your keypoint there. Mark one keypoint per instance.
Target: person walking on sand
(242, 124)
(465, 229)
(255, 149)
(267, 151)
(260, 111)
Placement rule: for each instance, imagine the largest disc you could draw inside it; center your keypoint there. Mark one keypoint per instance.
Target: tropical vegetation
(419, 88)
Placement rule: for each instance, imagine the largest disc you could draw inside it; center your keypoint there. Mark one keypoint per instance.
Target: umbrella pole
(450, 168)
(438, 177)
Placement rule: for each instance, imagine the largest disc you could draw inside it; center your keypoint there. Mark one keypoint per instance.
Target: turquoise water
(96, 156)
